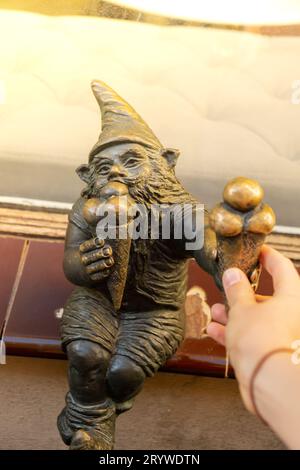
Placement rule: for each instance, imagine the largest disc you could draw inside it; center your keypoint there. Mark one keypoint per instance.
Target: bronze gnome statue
(125, 318)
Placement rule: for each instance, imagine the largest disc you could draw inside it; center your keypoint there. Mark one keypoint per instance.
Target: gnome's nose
(116, 171)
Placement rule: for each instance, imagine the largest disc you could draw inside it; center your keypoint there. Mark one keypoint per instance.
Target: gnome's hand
(96, 257)
(241, 224)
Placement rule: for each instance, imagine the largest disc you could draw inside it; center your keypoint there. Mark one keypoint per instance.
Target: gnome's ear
(171, 155)
(84, 173)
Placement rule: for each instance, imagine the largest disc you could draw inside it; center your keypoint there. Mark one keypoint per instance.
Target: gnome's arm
(73, 268)
(198, 240)
(87, 259)
(207, 254)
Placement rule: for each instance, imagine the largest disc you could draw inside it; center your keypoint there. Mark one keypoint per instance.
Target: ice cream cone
(241, 252)
(118, 276)
(114, 199)
(241, 224)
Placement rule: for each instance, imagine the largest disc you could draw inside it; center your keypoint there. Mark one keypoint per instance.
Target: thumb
(237, 288)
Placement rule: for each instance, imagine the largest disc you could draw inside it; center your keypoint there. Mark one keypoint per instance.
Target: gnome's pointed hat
(120, 122)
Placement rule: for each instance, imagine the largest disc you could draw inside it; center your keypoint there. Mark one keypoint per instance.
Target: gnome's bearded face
(127, 151)
(125, 163)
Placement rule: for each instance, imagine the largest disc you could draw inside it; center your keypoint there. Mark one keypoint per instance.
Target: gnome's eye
(132, 161)
(103, 169)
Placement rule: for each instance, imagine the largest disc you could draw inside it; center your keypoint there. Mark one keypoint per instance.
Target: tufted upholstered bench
(224, 98)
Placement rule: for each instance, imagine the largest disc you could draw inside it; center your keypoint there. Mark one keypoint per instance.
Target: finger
(262, 298)
(219, 314)
(99, 276)
(100, 265)
(237, 288)
(91, 244)
(284, 275)
(216, 332)
(92, 256)
(246, 398)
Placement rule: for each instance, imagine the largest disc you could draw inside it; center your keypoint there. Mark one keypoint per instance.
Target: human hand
(257, 324)
(96, 257)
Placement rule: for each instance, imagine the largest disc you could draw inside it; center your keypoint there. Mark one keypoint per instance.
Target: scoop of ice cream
(118, 206)
(114, 188)
(90, 209)
(262, 221)
(114, 198)
(243, 193)
(224, 222)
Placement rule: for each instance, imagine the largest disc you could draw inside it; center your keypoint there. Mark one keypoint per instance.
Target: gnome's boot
(65, 431)
(93, 439)
(86, 427)
(123, 406)
(90, 440)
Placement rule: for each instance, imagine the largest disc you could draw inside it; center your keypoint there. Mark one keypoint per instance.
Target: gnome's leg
(125, 379)
(145, 341)
(88, 364)
(89, 328)
(88, 410)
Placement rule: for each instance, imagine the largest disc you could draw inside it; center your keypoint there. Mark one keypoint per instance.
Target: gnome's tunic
(149, 326)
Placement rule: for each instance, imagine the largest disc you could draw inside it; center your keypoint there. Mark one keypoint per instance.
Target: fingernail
(231, 276)
(99, 242)
(106, 251)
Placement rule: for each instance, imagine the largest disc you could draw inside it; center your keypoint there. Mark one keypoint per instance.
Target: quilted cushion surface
(224, 98)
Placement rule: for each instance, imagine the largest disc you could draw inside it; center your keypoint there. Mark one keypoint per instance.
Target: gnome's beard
(160, 186)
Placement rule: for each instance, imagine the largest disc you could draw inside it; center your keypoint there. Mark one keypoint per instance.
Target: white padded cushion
(222, 97)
